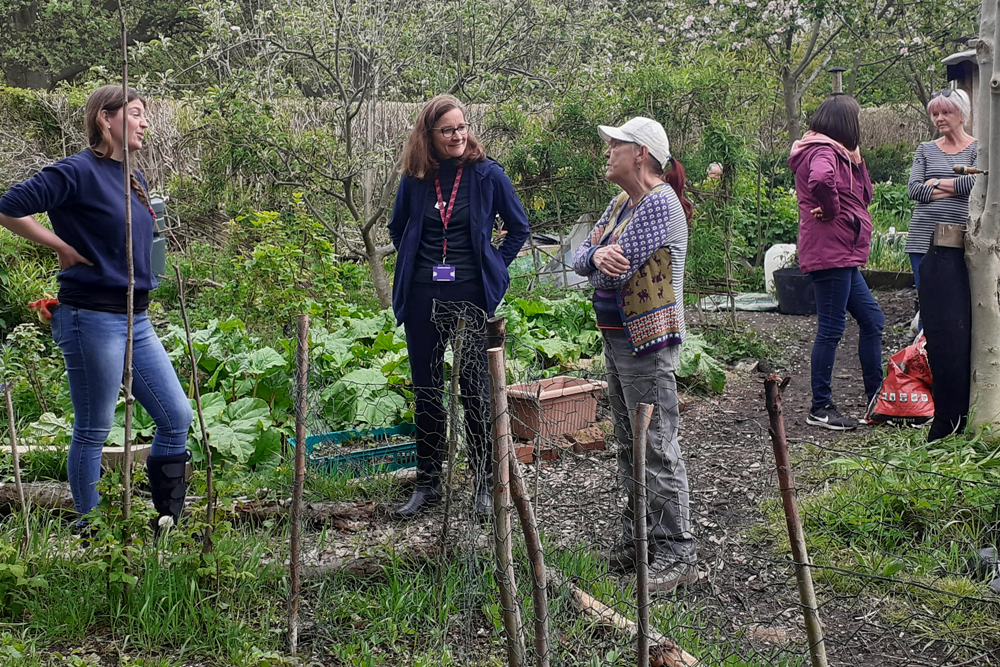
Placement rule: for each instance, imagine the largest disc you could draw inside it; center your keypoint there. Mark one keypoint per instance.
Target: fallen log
(46, 495)
(663, 652)
(56, 496)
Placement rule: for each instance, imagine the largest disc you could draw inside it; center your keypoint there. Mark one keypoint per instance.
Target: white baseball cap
(643, 131)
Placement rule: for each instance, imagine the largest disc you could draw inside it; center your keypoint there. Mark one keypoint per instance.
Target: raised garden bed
(362, 452)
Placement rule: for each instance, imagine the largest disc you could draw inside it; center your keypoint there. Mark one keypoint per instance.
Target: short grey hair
(957, 100)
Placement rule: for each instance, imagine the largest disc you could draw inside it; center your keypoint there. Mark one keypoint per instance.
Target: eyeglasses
(449, 132)
(943, 93)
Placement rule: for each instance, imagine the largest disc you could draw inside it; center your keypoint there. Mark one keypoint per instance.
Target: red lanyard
(446, 211)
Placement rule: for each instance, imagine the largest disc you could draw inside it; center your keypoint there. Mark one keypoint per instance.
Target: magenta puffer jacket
(829, 176)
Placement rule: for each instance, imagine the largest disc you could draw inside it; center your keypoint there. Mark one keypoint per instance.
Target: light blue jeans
(93, 345)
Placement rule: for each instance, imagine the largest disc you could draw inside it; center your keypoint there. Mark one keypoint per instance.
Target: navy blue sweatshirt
(83, 196)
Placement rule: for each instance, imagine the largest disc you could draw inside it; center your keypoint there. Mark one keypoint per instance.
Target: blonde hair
(956, 100)
(110, 99)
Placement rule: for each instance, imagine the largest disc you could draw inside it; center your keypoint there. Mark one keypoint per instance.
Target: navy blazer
(492, 194)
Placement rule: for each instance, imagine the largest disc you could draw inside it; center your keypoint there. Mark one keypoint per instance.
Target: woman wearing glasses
(936, 245)
(449, 195)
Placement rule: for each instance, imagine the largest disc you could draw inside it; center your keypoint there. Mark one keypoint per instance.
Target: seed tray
(366, 461)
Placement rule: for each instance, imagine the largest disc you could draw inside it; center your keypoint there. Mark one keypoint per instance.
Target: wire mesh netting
(524, 553)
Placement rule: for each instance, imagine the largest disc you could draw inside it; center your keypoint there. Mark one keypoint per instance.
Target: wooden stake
(503, 535)
(456, 354)
(814, 629)
(640, 431)
(301, 386)
(17, 463)
(207, 545)
(130, 294)
(539, 582)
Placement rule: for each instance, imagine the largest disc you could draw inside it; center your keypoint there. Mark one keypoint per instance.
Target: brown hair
(838, 118)
(109, 98)
(419, 158)
(676, 179)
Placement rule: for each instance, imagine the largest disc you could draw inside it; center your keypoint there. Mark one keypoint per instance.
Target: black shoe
(828, 417)
(621, 557)
(482, 505)
(168, 487)
(422, 498)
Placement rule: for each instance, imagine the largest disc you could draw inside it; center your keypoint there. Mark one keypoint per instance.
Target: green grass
(900, 520)
(166, 612)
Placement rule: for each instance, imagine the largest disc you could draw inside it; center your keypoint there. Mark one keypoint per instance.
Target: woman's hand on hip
(68, 256)
(611, 261)
(818, 213)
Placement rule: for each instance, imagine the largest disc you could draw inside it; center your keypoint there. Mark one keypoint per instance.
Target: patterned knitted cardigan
(653, 236)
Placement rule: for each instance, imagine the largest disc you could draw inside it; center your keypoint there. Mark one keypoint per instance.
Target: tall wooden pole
(17, 462)
(301, 404)
(503, 535)
(207, 545)
(640, 433)
(130, 295)
(803, 574)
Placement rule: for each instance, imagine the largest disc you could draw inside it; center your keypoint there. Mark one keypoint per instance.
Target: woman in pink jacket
(835, 231)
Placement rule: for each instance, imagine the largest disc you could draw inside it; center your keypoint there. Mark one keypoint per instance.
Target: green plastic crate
(366, 461)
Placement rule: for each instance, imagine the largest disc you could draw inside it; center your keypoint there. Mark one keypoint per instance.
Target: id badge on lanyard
(445, 272)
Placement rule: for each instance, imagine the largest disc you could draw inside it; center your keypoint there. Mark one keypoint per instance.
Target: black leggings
(946, 312)
(433, 312)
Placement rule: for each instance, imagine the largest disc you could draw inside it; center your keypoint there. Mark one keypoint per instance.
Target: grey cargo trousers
(650, 379)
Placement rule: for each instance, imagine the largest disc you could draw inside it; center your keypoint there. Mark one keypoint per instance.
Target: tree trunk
(376, 262)
(793, 125)
(982, 254)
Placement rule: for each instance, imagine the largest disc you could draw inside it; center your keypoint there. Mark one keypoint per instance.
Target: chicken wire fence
(917, 595)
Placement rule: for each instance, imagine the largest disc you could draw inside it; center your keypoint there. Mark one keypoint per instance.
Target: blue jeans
(93, 345)
(838, 292)
(915, 258)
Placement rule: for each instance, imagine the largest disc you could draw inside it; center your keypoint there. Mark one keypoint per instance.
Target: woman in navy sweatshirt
(442, 225)
(84, 198)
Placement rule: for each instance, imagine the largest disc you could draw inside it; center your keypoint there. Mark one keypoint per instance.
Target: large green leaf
(248, 409)
(234, 441)
(381, 410)
(264, 359)
(266, 449)
(696, 361)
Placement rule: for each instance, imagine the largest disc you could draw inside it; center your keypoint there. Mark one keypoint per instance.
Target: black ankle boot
(482, 503)
(422, 498)
(168, 488)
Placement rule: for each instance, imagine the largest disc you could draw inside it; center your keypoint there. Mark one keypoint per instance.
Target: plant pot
(794, 291)
(553, 406)
(887, 279)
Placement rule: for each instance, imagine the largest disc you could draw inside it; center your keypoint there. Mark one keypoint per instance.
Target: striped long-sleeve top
(931, 162)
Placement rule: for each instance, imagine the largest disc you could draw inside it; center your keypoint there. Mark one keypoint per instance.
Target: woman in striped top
(937, 253)
(939, 195)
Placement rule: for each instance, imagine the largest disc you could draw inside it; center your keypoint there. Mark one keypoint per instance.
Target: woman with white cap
(634, 259)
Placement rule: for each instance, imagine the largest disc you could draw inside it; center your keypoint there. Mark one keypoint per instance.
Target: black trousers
(946, 311)
(433, 314)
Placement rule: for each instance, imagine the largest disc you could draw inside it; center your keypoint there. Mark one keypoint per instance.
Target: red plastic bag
(905, 394)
